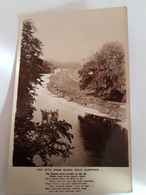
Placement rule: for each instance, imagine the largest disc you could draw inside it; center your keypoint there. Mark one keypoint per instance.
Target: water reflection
(105, 139)
(92, 140)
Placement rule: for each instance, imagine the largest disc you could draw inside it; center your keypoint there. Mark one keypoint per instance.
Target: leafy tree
(104, 73)
(30, 66)
(45, 139)
(31, 50)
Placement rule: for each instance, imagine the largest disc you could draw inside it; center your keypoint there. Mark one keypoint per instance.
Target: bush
(104, 73)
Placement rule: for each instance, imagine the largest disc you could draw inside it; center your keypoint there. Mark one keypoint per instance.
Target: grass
(65, 84)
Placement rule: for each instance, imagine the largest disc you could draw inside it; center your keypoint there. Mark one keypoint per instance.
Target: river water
(69, 112)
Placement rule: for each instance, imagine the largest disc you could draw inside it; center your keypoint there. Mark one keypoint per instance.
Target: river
(68, 111)
(82, 154)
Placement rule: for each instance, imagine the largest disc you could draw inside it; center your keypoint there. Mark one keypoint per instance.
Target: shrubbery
(104, 73)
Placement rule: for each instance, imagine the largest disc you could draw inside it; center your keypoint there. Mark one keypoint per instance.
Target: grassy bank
(65, 84)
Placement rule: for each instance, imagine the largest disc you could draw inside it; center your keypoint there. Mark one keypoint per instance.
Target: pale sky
(75, 36)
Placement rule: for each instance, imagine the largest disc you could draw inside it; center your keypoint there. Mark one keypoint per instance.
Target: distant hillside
(66, 64)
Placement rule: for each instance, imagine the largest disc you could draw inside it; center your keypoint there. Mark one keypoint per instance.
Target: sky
(75, 36)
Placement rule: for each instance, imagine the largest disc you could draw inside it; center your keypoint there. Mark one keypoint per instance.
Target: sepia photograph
(72, 105)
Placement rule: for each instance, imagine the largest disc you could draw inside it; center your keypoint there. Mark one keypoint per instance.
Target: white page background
(137, 52)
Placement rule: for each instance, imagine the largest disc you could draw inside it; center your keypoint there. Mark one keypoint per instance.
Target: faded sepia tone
(72, 100)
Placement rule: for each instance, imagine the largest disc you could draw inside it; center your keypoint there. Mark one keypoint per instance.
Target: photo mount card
(70, 130)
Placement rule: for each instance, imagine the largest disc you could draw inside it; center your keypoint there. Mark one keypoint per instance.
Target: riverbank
(65, 84)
